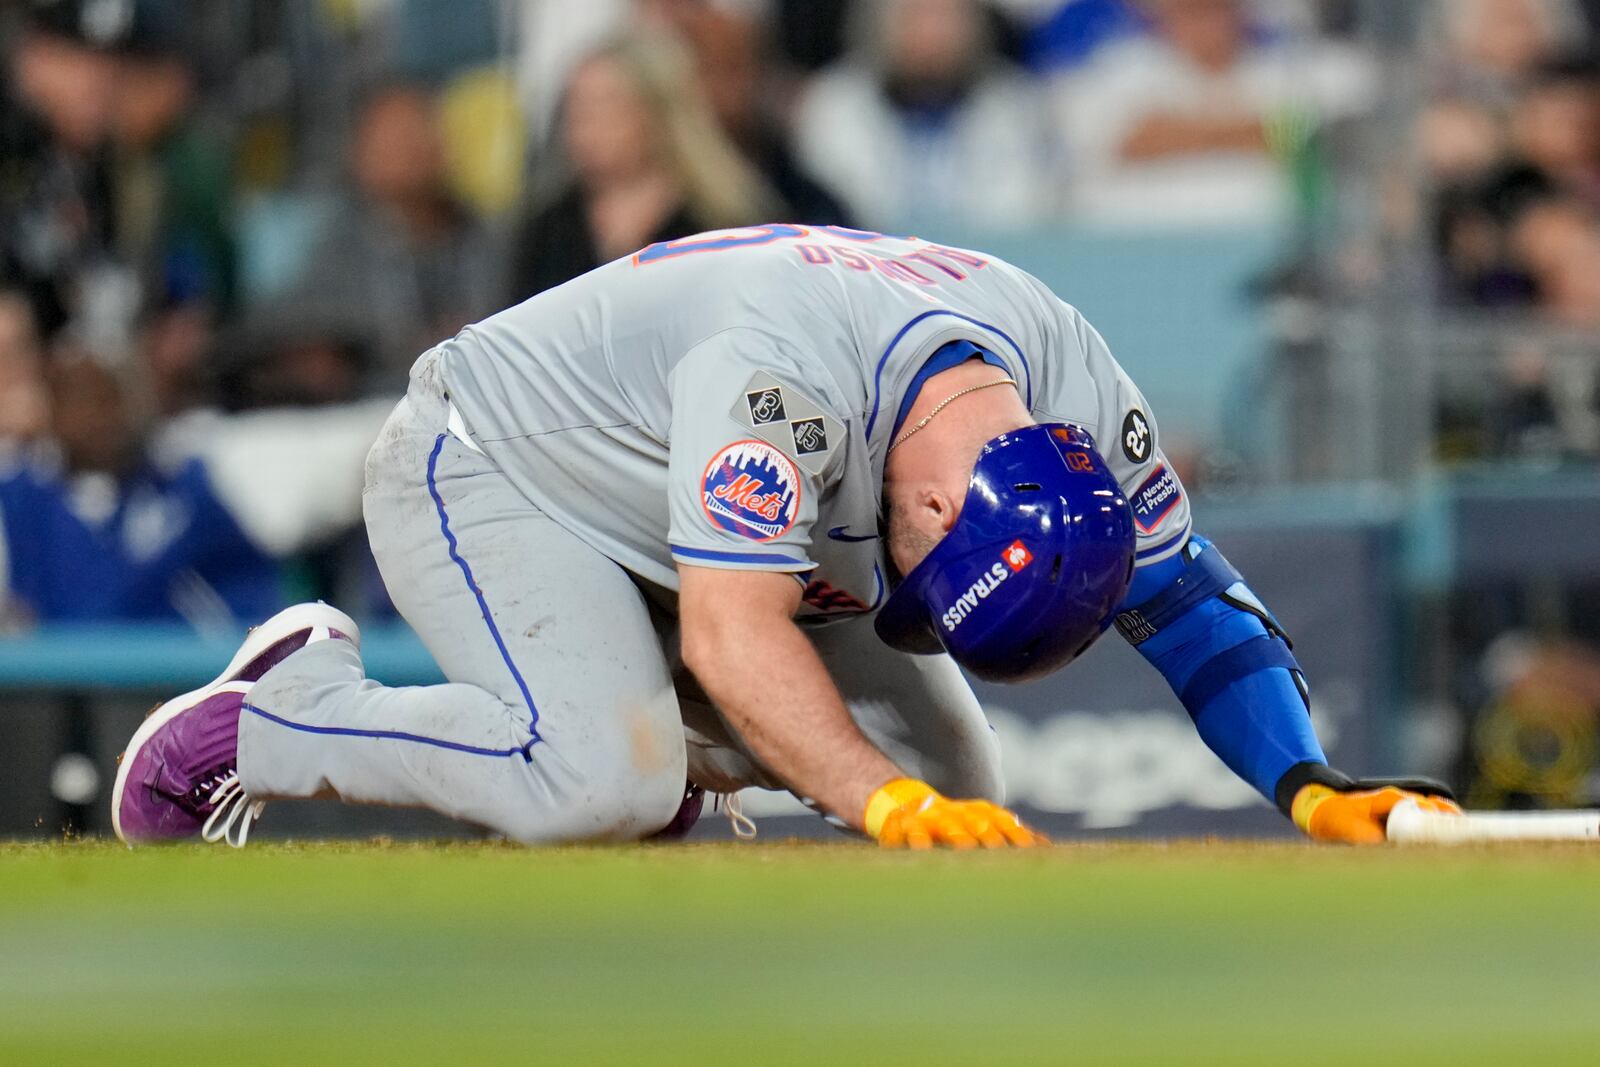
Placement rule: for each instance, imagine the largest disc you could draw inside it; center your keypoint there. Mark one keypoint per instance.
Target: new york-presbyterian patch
(1155, 499)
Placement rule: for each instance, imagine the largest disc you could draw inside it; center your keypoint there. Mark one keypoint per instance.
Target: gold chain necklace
(941, 405)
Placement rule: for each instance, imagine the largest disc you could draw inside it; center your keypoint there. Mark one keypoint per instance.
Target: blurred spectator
(923, 124)
(114, 193)
(173, 180)
(298, 354)
(1465, 150)
(56, 202)
(1516, 199)
(1553, 131)
(1062, 34)
(402, 262)
(93, 529)
(728, 46)
(733, 43)
(1200, 121)
(646, 162)
(553, 36)
(1070, 35)
(24, 409)
(1459, 140)
(1493, 45)
(812, 34)
(174, 354)
(1557, 243)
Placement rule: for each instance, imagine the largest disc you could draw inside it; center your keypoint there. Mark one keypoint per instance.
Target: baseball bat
(1409, 824)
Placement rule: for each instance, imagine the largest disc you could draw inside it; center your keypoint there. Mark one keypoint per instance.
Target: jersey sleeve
(1127, 435)
(750, 452)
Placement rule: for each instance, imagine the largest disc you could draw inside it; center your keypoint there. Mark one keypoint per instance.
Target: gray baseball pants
(567, 715)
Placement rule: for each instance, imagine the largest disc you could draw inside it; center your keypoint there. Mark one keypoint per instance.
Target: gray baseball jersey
(727, 400)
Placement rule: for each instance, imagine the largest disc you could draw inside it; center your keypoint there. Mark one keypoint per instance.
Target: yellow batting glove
(907, 813)
(1356, 816)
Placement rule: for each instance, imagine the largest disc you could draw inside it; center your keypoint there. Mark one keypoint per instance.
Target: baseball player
(735, 511)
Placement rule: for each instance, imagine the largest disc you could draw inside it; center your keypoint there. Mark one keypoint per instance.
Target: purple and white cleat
(179, 775)
(694, 800)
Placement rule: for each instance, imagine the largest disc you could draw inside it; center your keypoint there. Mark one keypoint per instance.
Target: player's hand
(1359, 813)
(907, 813)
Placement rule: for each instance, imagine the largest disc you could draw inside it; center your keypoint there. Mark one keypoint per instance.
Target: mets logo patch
(751, 489)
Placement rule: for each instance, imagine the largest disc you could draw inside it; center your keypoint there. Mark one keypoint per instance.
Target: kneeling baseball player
(734, 511)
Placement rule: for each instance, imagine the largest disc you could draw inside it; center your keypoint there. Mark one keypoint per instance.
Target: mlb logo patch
(751, 489)
(766, 405)
(1017, 556)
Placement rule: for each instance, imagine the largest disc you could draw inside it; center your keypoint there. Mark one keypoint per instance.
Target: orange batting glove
(1358, 815)
(907, 813)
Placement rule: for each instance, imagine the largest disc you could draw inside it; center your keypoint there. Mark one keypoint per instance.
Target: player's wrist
(893, 795)
(1306, 801)
(1309, 772)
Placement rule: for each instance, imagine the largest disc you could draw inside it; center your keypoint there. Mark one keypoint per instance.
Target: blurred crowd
(216, 217)
(1510, 146)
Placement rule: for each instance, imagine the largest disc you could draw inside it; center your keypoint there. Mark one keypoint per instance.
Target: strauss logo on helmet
(1016, 556)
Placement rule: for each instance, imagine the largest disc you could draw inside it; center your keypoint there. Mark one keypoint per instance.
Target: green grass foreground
(773, 953)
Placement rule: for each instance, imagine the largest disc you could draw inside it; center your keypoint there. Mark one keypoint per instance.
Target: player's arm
(1196, 621)
(741, 642)
(743, 497)
(1191, 615)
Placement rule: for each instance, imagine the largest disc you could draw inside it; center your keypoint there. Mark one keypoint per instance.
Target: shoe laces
(731, 806)
(232, 810)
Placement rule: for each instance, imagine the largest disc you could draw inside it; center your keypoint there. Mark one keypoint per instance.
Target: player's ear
(937, 506)
(913, 522)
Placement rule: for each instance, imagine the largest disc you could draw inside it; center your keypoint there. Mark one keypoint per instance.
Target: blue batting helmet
(1034, 566)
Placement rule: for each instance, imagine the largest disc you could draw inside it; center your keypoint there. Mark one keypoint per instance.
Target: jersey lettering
(819, 594)
(852, 259)
(720, 241)
(967, 602)
(898, 268)
(745, 492)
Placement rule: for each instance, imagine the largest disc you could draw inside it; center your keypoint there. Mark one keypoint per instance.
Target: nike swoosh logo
(838, 534)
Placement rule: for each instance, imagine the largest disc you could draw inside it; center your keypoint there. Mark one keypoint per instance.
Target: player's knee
(638, 810)
(600, 809)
